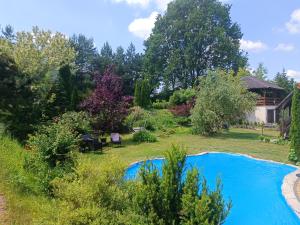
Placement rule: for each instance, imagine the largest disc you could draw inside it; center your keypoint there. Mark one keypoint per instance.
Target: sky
(271, 28)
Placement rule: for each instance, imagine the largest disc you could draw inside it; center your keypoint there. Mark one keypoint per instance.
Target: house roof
(255, 83)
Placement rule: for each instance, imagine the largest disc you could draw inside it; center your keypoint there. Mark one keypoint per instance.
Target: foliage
(295, 124)
(293, 156)
(32, 60)
(221, 99)
(160, 104)
(260, 72)
(86, 52)
(54, 148)
(182, 96)
(191, 38)
(144, 136)
(169, 200)
(16, 109)
(142, 93)
(96, 195)
(80, 122)
(38, 51)
(183, 109)
(107, 104)
(282, 80)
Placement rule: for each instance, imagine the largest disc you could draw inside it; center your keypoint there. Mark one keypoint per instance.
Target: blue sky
(271, 27)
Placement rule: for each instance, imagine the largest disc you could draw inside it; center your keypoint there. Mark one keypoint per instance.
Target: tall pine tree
(295, 126)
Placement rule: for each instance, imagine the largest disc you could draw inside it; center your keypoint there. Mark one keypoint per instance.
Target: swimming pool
(254, 186)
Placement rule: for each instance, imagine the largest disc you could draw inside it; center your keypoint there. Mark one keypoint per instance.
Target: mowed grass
(235, 140)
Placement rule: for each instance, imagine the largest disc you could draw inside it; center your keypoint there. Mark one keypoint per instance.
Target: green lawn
(244, 141)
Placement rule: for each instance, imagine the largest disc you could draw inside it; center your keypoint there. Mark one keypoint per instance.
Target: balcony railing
(268, 101)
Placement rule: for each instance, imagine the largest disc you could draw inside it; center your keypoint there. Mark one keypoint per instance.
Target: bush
(295, 123)
(54, 148)
(139, 117)
(151, 120)
(182, 96)
(79, 122)
(167, 198)
(293, 156)
(144, 136)
(160, 104)
(183, 109)
(96, 195)
(222, 99)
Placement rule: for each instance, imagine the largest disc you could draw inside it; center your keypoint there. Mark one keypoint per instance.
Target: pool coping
(287, 186)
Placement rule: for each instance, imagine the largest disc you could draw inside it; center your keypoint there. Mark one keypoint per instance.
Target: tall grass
(24, 205)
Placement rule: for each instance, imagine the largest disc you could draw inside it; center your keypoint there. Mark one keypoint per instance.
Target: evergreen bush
(295, 124)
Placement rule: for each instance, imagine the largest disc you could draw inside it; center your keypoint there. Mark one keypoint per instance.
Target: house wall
(260, 114)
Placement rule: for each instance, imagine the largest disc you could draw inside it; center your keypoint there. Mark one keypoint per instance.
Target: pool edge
(288, 191)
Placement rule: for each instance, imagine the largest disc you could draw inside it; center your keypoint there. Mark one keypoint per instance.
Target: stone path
(291, 190)
(2, 210)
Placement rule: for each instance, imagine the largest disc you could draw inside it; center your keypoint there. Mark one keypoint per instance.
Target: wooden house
(269, 97)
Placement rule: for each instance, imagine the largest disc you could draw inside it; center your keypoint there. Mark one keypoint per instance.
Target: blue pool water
(254, 187)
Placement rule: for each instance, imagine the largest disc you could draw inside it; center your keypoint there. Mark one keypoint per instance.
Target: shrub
(170, 199)
(96, 195)
(295, 124)
(222, 99)
(139, 117)
(160, 104)
(183, 109)
(54, 148)
(79, 122)
(182, 96)
(151, 120)
(293, 156)
(144, 136)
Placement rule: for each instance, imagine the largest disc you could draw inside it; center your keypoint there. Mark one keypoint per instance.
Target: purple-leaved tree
(106, 103)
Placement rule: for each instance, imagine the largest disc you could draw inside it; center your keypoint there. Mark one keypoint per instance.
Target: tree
(145, 94)
(16, 108)
(171, 200)
(282, 80)
(107, 103)
(221, 99)
(37, 52)
(132, 69)
(137, 93)
(260, 72)
(189, 39)
(8, 33)
(86, 52)
(142, 93)
(295, 124)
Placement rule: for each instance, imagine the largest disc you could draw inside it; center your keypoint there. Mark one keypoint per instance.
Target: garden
(73, 118)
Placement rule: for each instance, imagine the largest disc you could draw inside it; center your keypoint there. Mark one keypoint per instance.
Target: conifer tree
(295, 126)
(137, 93)
(145, 94)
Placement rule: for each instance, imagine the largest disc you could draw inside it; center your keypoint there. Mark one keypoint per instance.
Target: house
(270, 96)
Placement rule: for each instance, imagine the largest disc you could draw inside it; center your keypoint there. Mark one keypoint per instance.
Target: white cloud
(142, 3)
(293, 26)
(293, 74)
(254, 46)
(142, 27)
(285, 47)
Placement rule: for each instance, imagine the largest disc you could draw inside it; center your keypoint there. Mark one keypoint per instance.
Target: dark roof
(255, 83)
